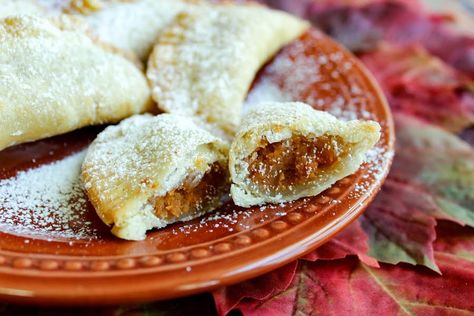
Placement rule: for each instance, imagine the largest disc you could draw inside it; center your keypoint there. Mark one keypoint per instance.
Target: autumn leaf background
(412, 252)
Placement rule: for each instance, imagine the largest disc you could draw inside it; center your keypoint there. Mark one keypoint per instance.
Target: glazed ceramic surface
(47, 258)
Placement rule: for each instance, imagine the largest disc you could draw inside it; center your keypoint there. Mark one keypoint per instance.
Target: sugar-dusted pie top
(143, 147)
(55, 79)
(143, 157)
(204, 63)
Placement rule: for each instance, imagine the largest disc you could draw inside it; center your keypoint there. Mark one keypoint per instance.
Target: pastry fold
(148, 172)
(133, 25)
(286, 151)
(205, 61)
(54, 80)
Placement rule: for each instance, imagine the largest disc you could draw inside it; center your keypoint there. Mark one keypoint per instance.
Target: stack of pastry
(66, 72)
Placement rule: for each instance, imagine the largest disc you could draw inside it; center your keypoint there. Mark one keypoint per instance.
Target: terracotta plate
(53, 249)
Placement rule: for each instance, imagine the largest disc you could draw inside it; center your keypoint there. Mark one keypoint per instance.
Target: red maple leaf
(422, 85)
(351, 241)
(348, 287)
(431, 179)
(361, 28)
(259, 289)
(454, 241)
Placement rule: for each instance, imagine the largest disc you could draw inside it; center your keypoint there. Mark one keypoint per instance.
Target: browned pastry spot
(191, 198)
(83, 6)
(295, 161)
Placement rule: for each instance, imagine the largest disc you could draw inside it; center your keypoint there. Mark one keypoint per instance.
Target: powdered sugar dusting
(373, 171)
(265, 91)
(234, 220)
(306, 72)
(206, 59)
(47, 201)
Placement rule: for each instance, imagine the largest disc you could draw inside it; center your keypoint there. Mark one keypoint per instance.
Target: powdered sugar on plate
(305, 71)
(47, 201)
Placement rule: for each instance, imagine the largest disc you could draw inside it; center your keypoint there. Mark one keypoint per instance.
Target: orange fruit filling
(292, 162)
(191, 198)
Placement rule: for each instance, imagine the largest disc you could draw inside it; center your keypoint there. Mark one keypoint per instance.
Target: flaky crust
(206, 60)
(276, 122)
(132, 25)
(15, 7)
(55, 80)
(141, 158)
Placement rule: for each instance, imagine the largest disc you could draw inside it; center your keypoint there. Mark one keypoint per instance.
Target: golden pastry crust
(55, 80)
(286, 151)
(205, 61)
(85, 6)
(141, 173)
